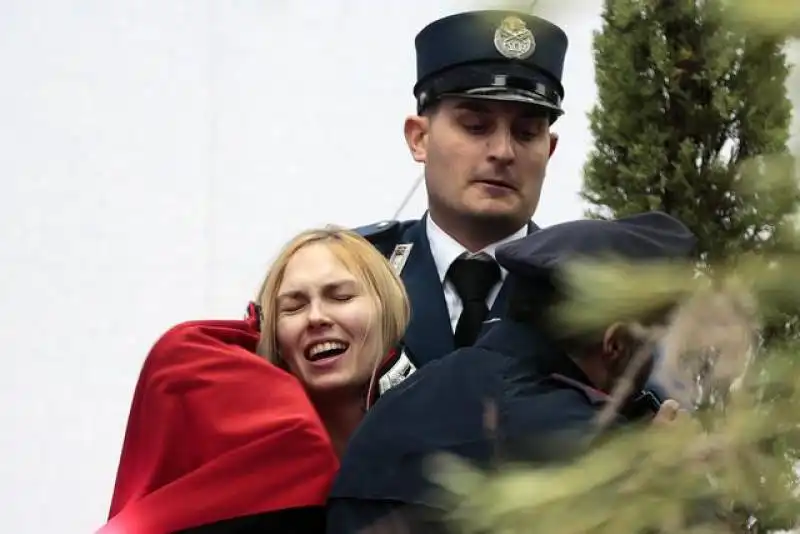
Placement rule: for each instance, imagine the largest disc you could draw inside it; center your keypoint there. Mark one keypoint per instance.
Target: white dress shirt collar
(445, 250)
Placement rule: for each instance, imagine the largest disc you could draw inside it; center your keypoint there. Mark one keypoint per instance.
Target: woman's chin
(334, 383)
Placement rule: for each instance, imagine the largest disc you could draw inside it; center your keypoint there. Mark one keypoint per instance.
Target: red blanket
(216, 432)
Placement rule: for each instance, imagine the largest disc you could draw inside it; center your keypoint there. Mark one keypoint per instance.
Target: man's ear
(553, 142)
(415, 130)
(617, 341)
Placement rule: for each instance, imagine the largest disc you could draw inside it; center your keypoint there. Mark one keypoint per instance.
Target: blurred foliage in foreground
(721, 469)
(692, 119)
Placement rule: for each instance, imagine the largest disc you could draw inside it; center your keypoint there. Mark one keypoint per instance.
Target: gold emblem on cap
(513, 39)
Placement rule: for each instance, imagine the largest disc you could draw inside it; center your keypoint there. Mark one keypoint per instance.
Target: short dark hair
(430, 109)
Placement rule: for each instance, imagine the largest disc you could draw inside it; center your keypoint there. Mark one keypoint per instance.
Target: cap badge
(513, 39)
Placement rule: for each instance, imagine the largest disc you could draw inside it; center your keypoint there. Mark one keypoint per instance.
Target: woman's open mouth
(325, 350)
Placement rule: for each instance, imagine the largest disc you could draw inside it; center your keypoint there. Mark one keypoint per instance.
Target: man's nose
(501, 146)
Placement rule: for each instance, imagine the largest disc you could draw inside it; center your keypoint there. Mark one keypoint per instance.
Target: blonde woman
(237, 426)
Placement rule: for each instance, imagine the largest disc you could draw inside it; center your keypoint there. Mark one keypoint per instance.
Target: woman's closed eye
(290, 305)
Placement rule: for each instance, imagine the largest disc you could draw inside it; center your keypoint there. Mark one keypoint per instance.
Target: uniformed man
(488, 91)
(547, 389)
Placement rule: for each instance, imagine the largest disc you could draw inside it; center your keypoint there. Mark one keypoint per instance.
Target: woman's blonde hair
(362, 260)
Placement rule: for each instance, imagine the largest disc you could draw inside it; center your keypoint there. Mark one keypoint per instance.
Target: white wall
(153, 155)
(793, 83)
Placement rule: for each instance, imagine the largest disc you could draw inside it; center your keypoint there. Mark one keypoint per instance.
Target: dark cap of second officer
(493, 54)
(535, 261)
(644, 237)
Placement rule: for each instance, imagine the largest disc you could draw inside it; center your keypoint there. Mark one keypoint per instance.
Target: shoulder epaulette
(379, 231)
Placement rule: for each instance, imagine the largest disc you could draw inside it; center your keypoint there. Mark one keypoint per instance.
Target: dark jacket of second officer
(543, 402)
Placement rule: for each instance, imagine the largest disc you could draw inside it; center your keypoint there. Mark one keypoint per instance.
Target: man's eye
(475, 128)
(527, 135)
(529, 130)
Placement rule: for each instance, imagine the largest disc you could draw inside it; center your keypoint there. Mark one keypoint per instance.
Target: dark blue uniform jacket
(543, 412)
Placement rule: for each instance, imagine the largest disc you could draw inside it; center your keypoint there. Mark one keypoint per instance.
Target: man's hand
(667, 413)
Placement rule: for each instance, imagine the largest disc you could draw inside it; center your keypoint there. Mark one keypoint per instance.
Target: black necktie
(473, 279)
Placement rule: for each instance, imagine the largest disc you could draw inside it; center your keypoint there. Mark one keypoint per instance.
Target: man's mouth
(498, 183)
(325, 349)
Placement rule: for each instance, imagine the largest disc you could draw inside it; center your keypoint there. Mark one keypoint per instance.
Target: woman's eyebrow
(346, 283)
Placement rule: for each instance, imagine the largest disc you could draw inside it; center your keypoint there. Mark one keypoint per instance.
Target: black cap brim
(508, 82)
(532, 100)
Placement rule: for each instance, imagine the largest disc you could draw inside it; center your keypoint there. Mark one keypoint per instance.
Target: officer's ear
(618, 342)
(553, 142)
(416, 132)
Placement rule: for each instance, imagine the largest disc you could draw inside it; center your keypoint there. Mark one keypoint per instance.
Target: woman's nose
(317, 314)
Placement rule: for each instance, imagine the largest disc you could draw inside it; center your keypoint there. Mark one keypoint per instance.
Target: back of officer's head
(537, 264)
(488, 89)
